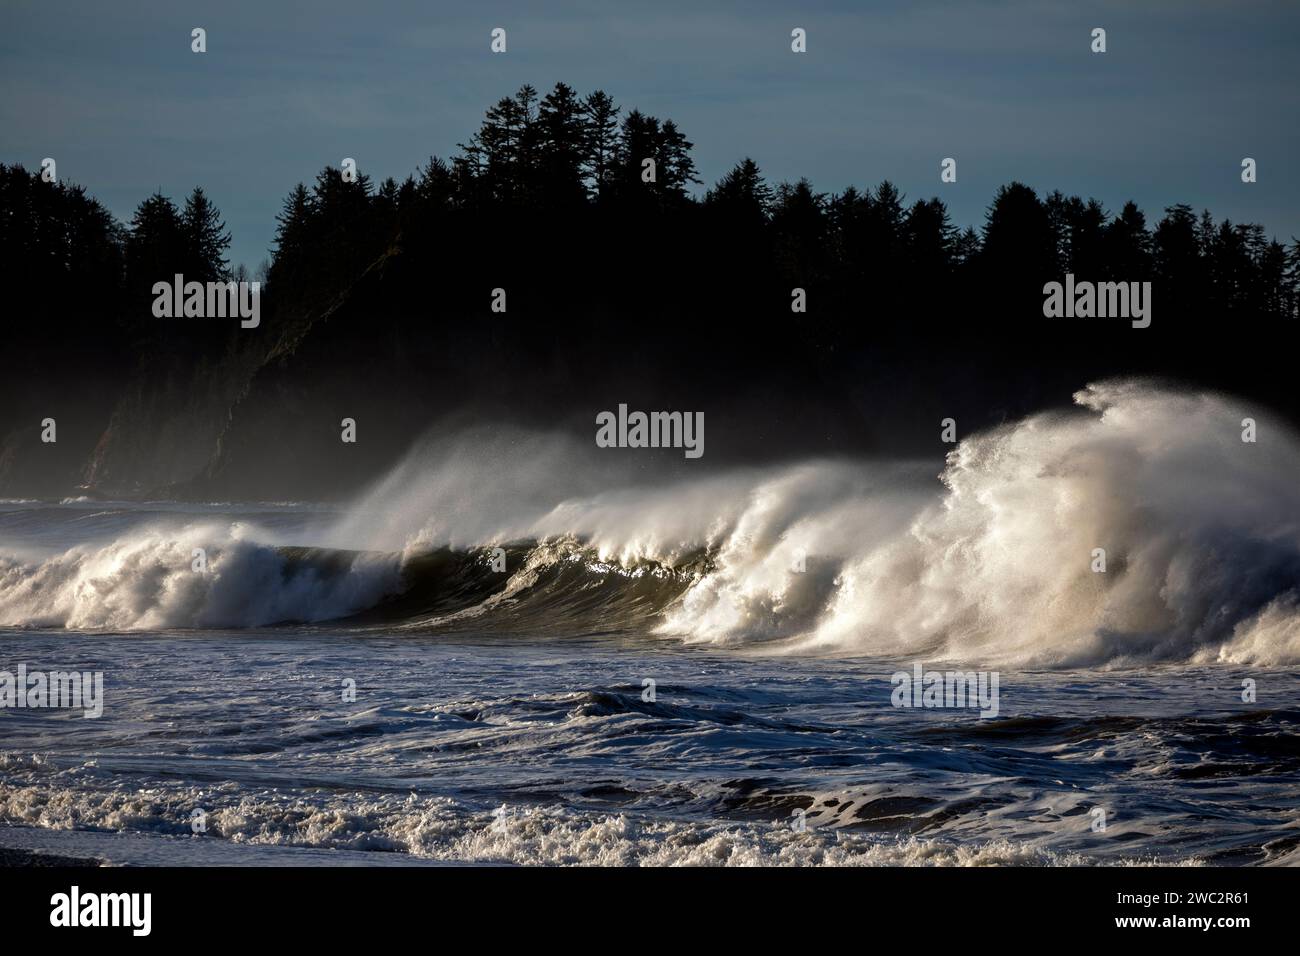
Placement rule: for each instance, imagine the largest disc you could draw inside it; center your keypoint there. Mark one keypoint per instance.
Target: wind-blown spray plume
(994, 559)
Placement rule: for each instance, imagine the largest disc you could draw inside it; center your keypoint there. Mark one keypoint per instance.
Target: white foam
(993, 563)
(146, 580)
(1200, 531)
(439, 829)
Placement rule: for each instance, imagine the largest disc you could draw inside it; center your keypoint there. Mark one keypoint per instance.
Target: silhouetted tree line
(573, 163)
(621, 287)
(56, 237)
(569, 173)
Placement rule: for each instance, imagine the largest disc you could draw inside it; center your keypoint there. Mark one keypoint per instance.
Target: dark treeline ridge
(576, 162)
(377, 299)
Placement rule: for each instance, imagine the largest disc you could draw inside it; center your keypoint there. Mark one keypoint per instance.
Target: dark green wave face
(555, 587)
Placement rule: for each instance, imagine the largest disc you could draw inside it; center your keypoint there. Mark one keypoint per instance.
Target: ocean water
(462, 748)
(511, 652)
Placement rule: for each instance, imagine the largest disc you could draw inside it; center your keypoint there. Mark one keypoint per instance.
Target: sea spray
(987, 559)
(148, 580)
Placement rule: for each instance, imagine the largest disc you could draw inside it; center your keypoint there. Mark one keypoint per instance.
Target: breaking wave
(996, 559)
(149, 580)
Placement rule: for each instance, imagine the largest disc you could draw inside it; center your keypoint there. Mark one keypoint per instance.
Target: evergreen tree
(206, 239)
(742, 196)
(1018, 240)
(799, 224)
(385, 199)
(502, 154)
(967, 249)
(885, 229)
(1271, 295)
(1086, 223)
(676, 168)
(340, 204)
(1176, 248)
(928, 237)
(1291, 280)
(736, 214)
(156, 248)
(437, 187)
(1128, 246)
(1056, 205)
(292, 234)
(561, 141)
(850, 220)
(638, 140)
(600, 141)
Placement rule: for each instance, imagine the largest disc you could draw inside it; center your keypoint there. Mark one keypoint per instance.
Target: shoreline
(10, 857)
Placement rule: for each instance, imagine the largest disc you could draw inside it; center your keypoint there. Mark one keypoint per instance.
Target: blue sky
(887, 89)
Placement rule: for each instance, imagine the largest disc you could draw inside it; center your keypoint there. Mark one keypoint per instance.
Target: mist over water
(986, 558)
(1199, 529)
(500, 715)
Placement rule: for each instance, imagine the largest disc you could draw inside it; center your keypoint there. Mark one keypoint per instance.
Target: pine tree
(292, 234)
(799, 226)
(1175, 244)
(561, 141)
(206, 238)
(1057, 205)
(340, 204)
(850, 219)
(1128, 246)
(885, 229)
(638, 140)
(437, 187)
(600, 141)
(736, 215)
(676, 167)
(1291, 280)
(928, 238)
(156, 247)
(741, 195)
(966, 250)
(1086, 225)
(385, 199)
(1018, 240)
(502, 154)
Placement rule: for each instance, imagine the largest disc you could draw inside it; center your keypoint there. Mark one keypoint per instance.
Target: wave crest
(992, 560)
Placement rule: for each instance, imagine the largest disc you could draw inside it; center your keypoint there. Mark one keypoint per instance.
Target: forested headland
(660, 290)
